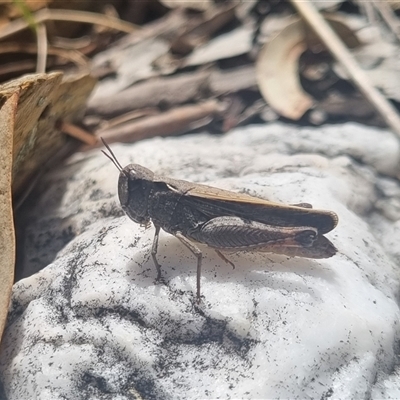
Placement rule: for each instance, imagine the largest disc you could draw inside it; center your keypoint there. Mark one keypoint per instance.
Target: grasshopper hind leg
(154, 254)
(224, 258)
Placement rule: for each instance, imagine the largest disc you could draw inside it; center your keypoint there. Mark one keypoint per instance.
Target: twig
(12, 68)
(152, 93)
(130, 116)
(311, 15)
(41, 36)
(78, 133)
(171, 122)
(168, 90)
(30, 48)
(70, 16)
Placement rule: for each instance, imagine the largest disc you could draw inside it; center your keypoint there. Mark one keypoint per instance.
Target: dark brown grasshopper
(221, 219)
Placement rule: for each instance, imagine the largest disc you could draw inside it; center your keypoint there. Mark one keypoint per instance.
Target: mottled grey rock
(93, 323)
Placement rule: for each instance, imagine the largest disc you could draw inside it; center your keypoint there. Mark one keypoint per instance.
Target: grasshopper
(221, 219)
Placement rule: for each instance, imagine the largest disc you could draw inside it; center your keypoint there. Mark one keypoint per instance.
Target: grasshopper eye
(306, 238)
(131, 173)
(123, 189)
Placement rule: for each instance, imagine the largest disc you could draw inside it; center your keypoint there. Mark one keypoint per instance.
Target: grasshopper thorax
(134, 187)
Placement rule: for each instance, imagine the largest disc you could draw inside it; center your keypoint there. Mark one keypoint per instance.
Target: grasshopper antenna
(112, 156)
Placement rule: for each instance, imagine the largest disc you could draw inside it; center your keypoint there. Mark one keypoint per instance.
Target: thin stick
(41, 37)
(71, 16)
(311, 15)
(78, 133)
(31, 48)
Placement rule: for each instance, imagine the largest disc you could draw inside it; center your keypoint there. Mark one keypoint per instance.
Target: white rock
(93, 323)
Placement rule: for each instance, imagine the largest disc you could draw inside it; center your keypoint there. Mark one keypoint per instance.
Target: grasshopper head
(134, 186)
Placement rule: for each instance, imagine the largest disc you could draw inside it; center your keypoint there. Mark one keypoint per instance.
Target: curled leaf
(277, 66)
(277, 72)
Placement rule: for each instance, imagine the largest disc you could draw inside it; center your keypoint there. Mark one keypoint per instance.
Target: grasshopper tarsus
(160, 281)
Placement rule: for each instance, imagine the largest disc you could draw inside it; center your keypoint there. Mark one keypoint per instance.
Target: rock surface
(92, 323)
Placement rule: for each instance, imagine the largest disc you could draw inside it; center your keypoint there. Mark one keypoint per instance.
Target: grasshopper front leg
(193, 248)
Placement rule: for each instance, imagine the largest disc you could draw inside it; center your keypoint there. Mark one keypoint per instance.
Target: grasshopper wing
(215, 202)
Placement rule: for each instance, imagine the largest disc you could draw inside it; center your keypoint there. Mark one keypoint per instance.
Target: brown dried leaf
(277, 72)
(28, 138)
(172, 122)
(7, 236)
(278, 65)
(43, 100)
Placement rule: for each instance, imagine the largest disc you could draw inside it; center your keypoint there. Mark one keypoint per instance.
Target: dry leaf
(7, 236)
(172, 122)
(33, 96)
(130, 62)
(277, 72)
(278, 66)
(30, 107)
(43, 100)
